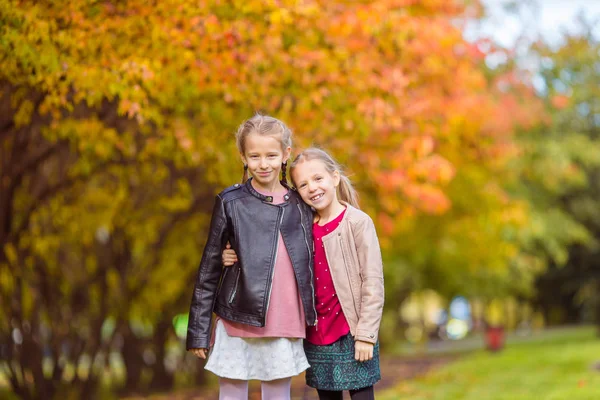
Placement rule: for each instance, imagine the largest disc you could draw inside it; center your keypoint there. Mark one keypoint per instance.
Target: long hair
(345, 190)
(264, 125)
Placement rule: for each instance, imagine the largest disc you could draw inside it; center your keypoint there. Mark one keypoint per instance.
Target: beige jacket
(354, 258)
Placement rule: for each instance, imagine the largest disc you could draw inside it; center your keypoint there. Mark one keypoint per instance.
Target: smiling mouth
(317, 197)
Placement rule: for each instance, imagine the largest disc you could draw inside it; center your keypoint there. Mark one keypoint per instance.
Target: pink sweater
(285, 315)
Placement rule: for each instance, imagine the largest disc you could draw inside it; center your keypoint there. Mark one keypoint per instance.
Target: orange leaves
(427, 198)
(418, 146)
(560, 101)
(379, 113)
(128, 108)
(419, 175)
(434, 169)
(390, 86)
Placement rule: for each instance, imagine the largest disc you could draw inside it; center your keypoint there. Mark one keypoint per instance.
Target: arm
(371, 272)
(209, 272)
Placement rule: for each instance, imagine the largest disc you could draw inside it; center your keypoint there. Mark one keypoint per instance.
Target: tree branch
(51, 191)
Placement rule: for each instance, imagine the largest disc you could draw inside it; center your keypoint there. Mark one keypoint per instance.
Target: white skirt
(264, 359)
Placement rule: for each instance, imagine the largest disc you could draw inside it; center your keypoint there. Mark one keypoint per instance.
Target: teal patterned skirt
(333, 367)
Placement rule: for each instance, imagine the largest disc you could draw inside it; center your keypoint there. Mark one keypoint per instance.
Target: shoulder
(295, 196)
(358, 218)
(231, 193)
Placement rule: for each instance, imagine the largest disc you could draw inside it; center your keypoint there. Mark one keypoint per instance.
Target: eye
(319, 178)
(302, 185)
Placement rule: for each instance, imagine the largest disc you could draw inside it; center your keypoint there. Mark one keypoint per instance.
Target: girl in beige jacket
(342, 348)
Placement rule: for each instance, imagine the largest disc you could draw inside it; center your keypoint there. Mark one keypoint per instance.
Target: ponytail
(346, 191)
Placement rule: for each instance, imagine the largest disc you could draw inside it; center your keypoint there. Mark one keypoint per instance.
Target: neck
(271, 187)
(330, 213)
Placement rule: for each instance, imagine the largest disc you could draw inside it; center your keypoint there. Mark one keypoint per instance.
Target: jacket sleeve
(209, 272)
(371, 272)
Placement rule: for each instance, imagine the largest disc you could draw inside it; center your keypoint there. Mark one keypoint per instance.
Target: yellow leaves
(211, 24)
(23, 115)
(180, 201)
(11, 253)
(280, 16)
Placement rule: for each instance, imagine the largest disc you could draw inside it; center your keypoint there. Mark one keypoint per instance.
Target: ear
(336, 178)
(243, 159)
(286, 154)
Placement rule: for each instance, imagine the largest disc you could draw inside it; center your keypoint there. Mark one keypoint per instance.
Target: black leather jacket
(251, 223)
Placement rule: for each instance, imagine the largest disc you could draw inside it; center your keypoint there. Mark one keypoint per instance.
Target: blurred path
(393, 370)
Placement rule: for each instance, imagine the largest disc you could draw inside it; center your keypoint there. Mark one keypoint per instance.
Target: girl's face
(264, 156)
(316, 185)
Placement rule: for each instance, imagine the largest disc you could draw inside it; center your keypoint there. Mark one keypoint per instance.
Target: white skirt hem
(263, 359)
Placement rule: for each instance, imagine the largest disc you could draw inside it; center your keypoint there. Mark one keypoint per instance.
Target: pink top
(332, 324)
(285, 315)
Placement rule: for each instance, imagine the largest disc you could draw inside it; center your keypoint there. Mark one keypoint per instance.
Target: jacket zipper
(310, 261)
(274, 261)
(237, 280)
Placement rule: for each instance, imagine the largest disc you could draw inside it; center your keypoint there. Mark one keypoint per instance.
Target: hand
(363, 351)
(201, 353)
(229, 257)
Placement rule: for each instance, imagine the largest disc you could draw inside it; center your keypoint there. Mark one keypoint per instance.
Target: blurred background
(470, 128)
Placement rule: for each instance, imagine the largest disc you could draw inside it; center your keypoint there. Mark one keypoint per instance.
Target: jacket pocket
(235, 285)
(222, 281)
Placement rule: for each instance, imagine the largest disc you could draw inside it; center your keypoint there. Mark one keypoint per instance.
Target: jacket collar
(268, 199)
(350, 210)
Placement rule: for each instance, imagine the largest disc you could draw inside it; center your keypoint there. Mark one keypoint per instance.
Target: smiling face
(316, 184)
(263, 155)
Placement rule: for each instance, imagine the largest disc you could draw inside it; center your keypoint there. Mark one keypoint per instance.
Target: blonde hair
(263, 125)
(345, 190)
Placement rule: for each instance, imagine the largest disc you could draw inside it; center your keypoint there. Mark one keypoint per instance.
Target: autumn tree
(116, 132)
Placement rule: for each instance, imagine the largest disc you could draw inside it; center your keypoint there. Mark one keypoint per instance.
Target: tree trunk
(132, 358)
(162, 380)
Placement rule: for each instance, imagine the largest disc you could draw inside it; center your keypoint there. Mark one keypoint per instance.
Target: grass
(558, 366)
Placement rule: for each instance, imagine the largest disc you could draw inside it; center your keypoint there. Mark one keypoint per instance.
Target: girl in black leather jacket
(264, 302)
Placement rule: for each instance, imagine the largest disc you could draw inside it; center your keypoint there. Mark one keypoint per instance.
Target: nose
(263, 163)
(311, 186)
